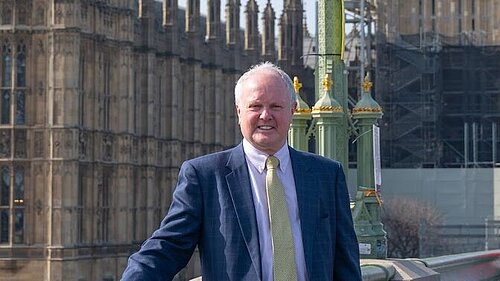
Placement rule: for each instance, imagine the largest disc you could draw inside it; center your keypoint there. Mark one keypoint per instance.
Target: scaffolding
(408, 83)
(360, 16)
(438, 81)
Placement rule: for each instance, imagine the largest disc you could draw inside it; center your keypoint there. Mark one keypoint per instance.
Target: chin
(267, 147)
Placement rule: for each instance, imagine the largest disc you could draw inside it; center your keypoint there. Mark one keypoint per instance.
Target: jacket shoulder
(312, 159)
(208, 160)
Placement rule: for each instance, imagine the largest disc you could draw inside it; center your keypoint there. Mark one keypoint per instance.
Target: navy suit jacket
(212, 208)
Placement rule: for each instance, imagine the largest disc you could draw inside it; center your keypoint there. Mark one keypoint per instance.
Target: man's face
(264, 111)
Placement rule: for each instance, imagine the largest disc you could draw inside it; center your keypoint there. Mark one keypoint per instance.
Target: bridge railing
(440, 240)
(474, 266)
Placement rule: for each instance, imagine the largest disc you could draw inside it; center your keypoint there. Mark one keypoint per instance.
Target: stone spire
(252, 37)
(170, 12)
(170, 24)
(213, 19)
(192, 15)
(291, 36)
(305, 29)
(233, 22)
(146, 8)
(146, 17)
(293, 4)
(268, 20)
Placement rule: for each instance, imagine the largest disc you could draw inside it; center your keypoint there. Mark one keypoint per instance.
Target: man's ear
(237, 109)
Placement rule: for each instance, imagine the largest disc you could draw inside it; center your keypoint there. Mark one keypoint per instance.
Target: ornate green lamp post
(330, 119)
(297, 134)
(327, 113)
(366, 214)
(331, 22)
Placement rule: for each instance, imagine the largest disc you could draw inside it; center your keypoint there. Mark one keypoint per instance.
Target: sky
(309, 7)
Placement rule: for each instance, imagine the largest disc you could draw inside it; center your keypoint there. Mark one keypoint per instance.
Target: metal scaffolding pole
(362, 54)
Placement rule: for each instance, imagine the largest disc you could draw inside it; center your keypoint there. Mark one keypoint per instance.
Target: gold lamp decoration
(297, 85)
(327, 83)
(367, 84)
(302, 107)
(327, 102)
(367, 104)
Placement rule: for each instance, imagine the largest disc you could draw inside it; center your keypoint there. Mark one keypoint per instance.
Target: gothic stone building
(101, 100)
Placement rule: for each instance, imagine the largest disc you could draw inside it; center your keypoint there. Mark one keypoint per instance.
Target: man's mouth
(265, 127)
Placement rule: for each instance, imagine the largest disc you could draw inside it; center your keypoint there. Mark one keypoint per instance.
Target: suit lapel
(238, 182)
(308, 202)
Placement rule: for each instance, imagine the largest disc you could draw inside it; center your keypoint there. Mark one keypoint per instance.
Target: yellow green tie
(284, 268)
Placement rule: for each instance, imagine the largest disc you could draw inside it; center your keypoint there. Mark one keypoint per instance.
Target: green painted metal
(297, 134)
(327, 113)
(366, 213)
(330, 124)
(330, 37)
(340, 94)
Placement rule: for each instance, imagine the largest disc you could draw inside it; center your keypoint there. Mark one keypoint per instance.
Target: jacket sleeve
(346, 246)
(170, 247)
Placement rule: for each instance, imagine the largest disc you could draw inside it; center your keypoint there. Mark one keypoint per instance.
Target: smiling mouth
(265, 128)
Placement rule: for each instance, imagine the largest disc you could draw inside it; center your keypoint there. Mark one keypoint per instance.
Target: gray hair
(265, 67)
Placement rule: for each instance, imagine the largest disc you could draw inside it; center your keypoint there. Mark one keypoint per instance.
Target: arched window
(13, 84)
(6, 15)
(20, 102)
(13, 87)
(107, 92)
(18, 205)
(5, 108)
(22, 16)
(20, 107)
(12, 210)
(21, 70)
(6, 68)
(4, 204)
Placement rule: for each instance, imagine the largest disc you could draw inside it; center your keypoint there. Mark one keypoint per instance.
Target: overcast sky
(309, 7)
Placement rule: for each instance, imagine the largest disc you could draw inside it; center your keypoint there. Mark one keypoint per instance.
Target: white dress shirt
(256, 162)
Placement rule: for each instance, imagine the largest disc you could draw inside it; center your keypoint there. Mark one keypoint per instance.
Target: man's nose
(265, 114)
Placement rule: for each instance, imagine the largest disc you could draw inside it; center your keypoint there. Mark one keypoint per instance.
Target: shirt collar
(258, 158)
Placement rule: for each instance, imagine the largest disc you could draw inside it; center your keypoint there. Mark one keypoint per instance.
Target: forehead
(267, 82)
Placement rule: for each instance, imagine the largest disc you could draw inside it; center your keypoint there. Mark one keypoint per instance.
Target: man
(224, 203)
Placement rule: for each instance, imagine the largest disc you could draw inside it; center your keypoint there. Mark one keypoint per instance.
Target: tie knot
(272, 162)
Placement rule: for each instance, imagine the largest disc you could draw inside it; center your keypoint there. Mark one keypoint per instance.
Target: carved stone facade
(100, 103)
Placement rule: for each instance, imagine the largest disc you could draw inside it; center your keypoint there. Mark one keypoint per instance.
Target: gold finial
(296, 84)
(327, 83)
(367, 85)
